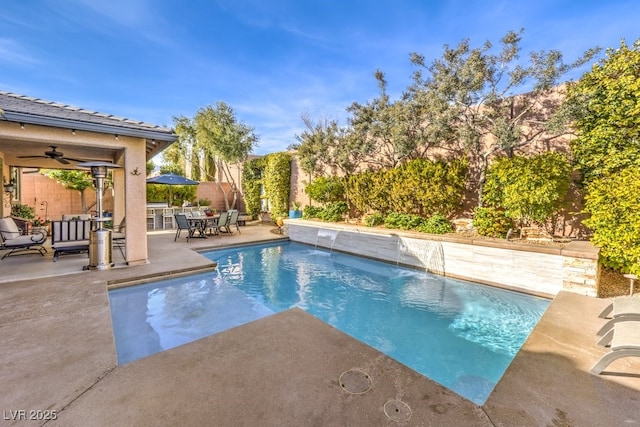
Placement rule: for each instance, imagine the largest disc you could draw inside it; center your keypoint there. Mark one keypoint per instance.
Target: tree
(389, 133)
(73, 179)
(149, 166)
(326, 146)
(477, 97)
(186, 154)
(605, 104)
(313, 146)
(224, 140)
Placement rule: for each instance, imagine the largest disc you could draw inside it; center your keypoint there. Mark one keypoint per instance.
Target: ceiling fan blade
(33, 157)
(76, 160)
(62, 160)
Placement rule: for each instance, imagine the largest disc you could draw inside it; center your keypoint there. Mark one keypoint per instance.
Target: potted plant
(296, 212)
(40, 225)
(23, 211)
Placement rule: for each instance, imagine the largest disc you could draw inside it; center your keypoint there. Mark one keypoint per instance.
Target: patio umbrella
(171, 179)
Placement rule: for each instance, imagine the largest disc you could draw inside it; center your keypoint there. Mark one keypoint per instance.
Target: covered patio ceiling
(32, 126)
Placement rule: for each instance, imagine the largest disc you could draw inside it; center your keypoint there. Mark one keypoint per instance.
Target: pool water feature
(462, 335)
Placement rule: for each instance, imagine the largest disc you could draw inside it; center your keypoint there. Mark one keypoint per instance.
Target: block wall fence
(539, 270)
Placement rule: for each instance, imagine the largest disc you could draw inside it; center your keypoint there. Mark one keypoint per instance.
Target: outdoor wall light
(9, 187)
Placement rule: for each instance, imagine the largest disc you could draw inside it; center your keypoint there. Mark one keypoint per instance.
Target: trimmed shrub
(374, 219)
(403, 221)
(333, 211)
(310, 212)
(419, 187)
(529, 189)
(614, 205)
(436, 224)
(326, 190)
(492, 222)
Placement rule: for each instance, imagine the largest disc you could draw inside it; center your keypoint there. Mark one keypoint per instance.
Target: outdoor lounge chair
(18, 243)
(621, 309)
(624, 338)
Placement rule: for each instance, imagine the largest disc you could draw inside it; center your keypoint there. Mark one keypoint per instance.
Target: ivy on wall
(273, 174)
(252, 184)
(277, 183)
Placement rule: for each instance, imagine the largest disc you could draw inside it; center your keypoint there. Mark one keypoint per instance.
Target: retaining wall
(541, 270)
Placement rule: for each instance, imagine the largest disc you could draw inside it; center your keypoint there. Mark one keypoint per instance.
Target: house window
(14, 176)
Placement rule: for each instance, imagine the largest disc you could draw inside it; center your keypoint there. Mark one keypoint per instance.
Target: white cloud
(12, 52)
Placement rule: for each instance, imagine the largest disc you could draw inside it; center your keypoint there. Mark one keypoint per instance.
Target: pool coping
(58, 353)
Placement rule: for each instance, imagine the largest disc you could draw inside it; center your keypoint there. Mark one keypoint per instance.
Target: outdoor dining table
(201, 223)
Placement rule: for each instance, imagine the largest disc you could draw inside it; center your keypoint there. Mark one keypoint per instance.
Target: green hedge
(277, 183)
(326, 189)
(491, 222)
(419, 187)
(252, 184)
(614, 205)
(529, 189)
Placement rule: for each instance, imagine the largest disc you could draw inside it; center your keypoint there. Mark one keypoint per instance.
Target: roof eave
(159, 135)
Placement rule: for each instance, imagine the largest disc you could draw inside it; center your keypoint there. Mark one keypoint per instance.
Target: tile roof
(47, 112)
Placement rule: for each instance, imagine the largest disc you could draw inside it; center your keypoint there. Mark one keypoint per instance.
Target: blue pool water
(460, 334)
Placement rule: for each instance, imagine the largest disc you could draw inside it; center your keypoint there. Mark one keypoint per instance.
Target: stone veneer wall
(540, 270)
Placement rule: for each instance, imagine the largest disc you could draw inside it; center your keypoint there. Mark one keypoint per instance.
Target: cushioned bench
(70, 237)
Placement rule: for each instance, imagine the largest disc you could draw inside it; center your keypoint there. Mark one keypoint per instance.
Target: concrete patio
(57, 354)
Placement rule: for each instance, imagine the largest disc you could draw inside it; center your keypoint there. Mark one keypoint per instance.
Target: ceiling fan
(54, 155)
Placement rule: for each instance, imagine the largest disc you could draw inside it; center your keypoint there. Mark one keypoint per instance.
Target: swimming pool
(460, 334)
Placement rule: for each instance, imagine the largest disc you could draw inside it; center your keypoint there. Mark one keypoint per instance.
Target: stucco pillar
(4, 197)
(135, 202)
(118, 196)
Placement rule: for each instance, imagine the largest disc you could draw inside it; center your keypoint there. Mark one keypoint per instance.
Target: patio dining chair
(182, 223)
(18, 243)
(223, 222)
(233, 221)
(118, 237)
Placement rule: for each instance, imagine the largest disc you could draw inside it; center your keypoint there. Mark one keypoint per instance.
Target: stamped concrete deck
(57, 353)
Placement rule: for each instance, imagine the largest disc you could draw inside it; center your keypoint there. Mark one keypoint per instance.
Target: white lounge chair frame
(621, 309)
(624, 339)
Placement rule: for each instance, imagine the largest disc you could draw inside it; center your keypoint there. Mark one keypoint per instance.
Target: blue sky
(270, 60)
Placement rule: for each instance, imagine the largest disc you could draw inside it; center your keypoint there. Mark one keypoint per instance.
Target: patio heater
(100, 249)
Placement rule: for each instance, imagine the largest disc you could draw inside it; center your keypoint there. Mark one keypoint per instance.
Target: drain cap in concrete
(355, 381)
(397, 410)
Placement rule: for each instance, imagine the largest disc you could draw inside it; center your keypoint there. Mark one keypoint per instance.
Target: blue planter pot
(295, 214)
